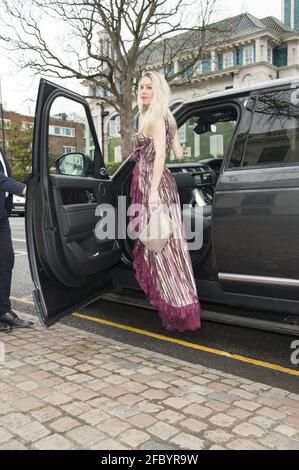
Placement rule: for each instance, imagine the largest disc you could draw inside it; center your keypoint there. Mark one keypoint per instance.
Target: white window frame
(198, 68)
(69, 149)
(104, 92)
(216, 145)
(93, 91)
(7, 123)
(114, 127)
(117, 153)
(196, 145)
(62, 131)
(270, 55)
(68, 131)
(182, 133)
(187, 152)
(118, 125)
(26, 125)
(294, 55)
(248, 55)
(228, 59)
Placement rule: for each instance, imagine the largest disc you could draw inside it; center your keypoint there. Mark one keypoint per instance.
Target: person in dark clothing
(8, 187)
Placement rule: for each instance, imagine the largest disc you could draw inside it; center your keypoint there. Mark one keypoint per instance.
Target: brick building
(65, 135)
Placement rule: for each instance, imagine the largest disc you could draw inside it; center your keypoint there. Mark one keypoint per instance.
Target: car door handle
(90, 196)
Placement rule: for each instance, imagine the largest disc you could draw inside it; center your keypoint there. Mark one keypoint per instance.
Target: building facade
(65, 135)
(254, 50)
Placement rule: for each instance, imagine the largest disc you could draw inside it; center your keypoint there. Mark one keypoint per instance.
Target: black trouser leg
(6, 265)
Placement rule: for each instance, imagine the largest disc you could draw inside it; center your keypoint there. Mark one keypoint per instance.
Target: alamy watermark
(124, 222)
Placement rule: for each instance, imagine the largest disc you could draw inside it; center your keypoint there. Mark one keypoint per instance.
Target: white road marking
(18, 240)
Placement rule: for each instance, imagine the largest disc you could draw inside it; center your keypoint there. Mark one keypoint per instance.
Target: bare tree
(139, 34)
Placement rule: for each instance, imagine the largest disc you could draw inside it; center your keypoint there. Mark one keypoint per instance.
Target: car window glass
(273, 136)
(243, 129)
(206, 135)
(69, 135)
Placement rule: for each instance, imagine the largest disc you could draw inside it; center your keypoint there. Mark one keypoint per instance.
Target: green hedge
(21, 175)
(112, 167)
(112, 143)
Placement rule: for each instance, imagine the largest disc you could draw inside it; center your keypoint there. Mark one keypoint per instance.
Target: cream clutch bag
(158, 231)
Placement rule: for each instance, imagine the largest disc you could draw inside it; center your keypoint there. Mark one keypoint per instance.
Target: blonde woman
(166, 277)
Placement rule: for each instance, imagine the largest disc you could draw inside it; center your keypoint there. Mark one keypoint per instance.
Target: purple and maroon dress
(166, 277)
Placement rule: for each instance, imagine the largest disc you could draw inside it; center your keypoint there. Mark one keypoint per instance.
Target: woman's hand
(177, 148)
(154, 199)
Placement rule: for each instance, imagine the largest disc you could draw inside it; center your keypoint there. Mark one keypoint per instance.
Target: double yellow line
(198, 347)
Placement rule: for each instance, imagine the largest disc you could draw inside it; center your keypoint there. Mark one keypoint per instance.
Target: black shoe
(11, 318)
(5, 327)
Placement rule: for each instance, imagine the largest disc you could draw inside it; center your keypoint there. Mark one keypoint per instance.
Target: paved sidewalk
(64, 388)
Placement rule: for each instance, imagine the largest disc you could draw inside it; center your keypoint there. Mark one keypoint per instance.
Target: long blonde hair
(159, 106)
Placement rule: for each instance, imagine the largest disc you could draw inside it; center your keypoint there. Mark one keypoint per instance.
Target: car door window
(69, 136)
(273, 135)
(206, 134)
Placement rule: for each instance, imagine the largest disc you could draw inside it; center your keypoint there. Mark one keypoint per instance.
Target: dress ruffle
(173, 318)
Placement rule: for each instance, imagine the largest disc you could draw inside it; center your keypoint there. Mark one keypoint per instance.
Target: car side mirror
(74, 164)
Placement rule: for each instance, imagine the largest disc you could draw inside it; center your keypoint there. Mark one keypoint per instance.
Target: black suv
(239, 181)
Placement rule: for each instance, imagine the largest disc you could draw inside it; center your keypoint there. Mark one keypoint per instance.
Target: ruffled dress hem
(173, 318)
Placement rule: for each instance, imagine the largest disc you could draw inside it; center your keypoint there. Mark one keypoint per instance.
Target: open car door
(70, 265)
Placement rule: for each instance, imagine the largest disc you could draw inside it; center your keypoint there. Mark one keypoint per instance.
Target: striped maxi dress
(166, 277)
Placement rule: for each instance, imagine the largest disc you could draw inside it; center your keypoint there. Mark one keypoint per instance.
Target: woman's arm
(159, 139)
(177, 148)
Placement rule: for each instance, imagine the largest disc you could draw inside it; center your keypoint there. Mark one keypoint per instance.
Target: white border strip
(278, 281)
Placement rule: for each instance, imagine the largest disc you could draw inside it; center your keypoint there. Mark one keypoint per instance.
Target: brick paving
(64, 388)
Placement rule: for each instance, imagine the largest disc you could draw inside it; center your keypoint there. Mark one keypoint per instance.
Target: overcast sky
(19, 88)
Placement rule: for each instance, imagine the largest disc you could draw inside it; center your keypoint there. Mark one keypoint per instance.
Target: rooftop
(225, 30)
